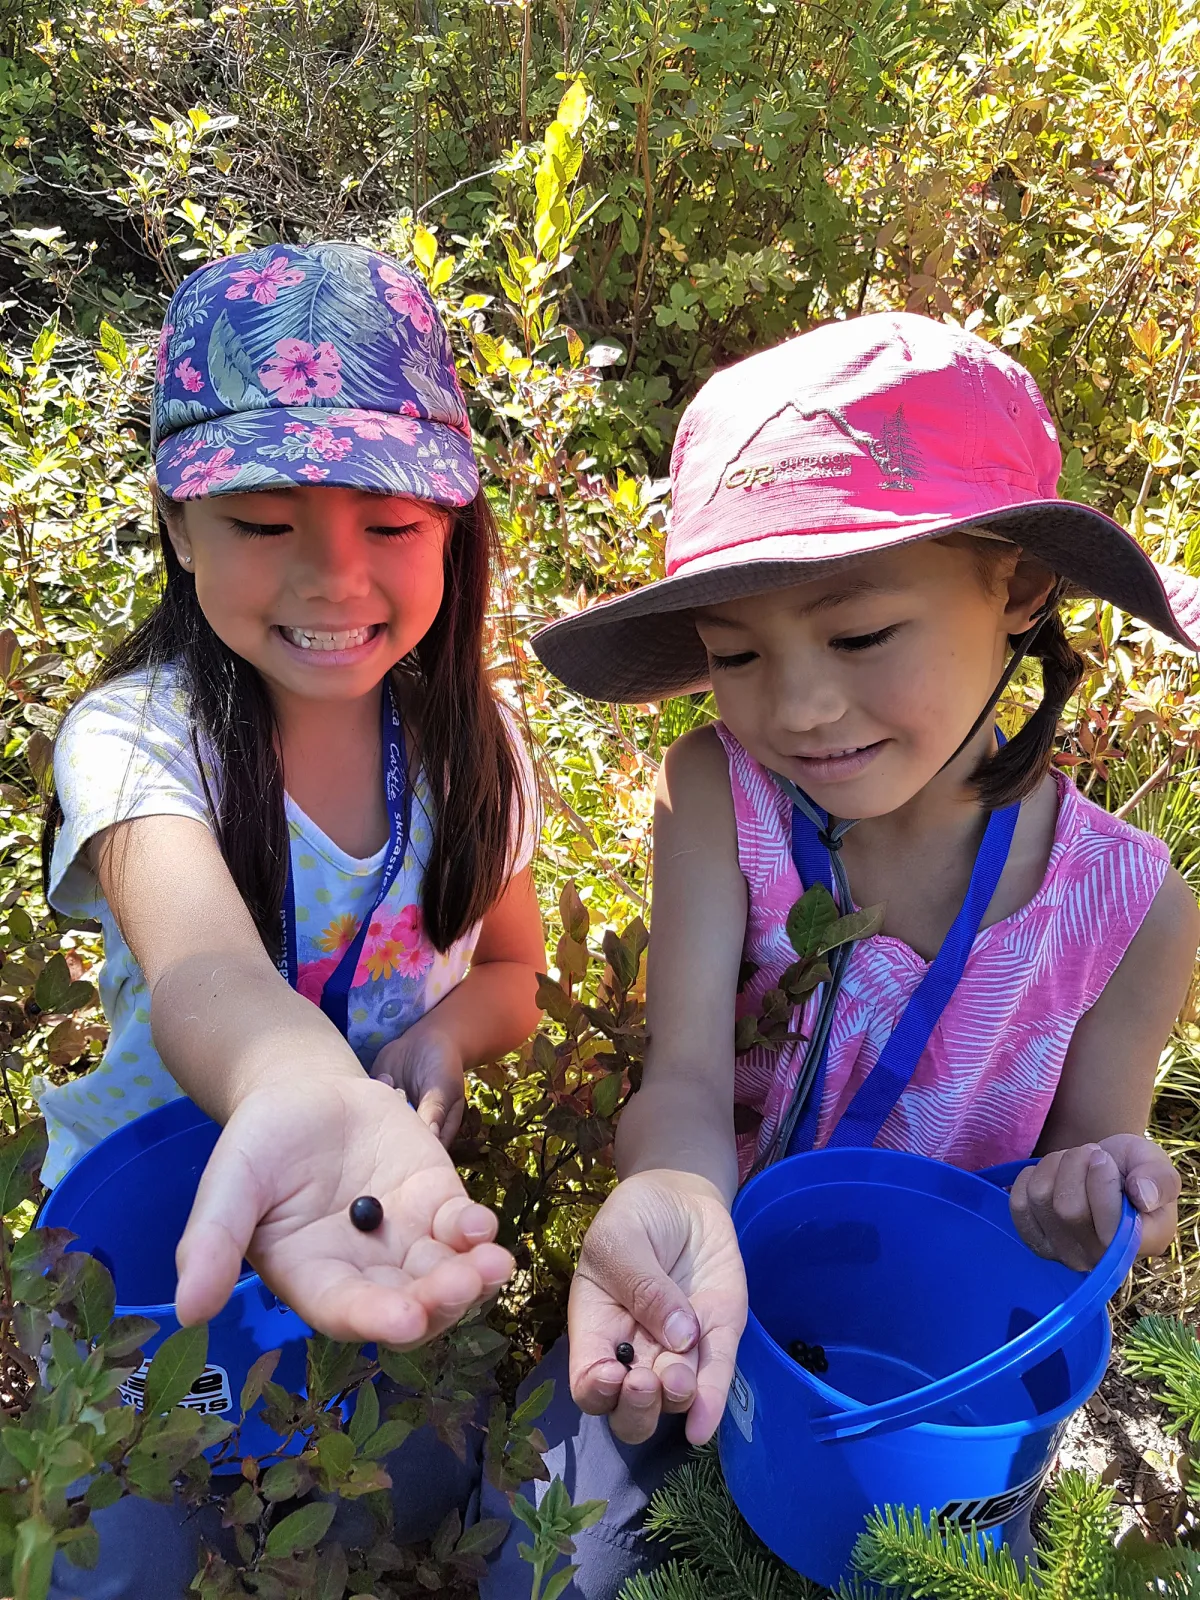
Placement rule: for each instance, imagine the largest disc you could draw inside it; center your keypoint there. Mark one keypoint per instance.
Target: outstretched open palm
(277, 1191)
(660, 1269)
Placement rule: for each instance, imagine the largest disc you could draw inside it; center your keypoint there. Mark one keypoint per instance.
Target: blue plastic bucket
(128, 1201)
(955, 1355)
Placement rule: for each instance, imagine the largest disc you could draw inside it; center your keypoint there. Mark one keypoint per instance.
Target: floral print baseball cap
(290, 366)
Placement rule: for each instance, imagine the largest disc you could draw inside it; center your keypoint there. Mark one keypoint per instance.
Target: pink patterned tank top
(983, 1087)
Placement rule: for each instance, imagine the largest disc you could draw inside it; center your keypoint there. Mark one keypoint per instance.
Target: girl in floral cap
(305, 824)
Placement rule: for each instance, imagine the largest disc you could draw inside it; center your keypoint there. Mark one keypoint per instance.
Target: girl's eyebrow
(853, 590)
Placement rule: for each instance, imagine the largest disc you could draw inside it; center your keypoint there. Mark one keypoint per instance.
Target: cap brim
(286, 447)
(644, 646)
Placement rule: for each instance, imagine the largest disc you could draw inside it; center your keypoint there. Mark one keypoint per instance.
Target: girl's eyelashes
(270, 530)
(865, 641)
(259, 530)
(723, 663)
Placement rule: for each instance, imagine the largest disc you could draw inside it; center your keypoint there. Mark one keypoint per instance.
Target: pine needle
(676, 1581)
(1167, 1349)
(913, 1560)
(694, 1515)
(1077, 1555)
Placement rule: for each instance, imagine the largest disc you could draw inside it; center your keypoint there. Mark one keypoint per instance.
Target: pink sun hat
(856, 437)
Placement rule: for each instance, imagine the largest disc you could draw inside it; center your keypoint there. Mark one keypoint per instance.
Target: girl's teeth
(310, 639)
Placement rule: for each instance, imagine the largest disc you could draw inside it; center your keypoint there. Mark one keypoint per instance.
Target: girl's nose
(806, 699)
(331, 560)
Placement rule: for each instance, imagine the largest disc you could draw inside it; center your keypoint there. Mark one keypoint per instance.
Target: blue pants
(152, 1552)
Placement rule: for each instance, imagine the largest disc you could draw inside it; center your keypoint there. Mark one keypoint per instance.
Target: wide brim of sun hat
(281, 447)
(644, 646)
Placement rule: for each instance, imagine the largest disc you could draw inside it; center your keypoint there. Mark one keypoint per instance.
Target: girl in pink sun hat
(865, 541)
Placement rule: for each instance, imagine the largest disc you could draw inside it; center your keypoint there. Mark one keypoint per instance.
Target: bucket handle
(904, 1410)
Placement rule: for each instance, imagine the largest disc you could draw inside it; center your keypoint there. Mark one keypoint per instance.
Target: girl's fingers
(1065, 1213)
(595, 1327)
(718, 1348)
(677, 1375)
(357, 1311)
(1153, 1187)
(461, 1223)
(1105, 1196)
(432, 1109)
(639, 1405)
(1024, 1216)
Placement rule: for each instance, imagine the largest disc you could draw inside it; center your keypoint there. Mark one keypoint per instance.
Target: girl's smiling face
(859, 685)
(322, 589)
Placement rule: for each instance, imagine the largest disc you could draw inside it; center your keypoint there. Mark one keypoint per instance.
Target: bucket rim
(984, 1430)
(972, 1183)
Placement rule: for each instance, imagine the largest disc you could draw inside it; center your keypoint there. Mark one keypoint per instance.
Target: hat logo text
(893, 453)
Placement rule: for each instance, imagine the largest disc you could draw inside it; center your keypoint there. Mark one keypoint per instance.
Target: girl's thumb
(208, 1259)
(637, 1280)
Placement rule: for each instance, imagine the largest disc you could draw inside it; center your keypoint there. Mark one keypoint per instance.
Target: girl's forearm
(680, 1121)
(492, 1011)
(225, 1027)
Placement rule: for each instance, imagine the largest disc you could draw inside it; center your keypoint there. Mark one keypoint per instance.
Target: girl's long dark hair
(466, 748)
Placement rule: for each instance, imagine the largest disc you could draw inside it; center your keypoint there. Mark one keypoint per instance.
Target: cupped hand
(278, 1188)
(428, 1066)
(660, 1268)
(1068, 1207)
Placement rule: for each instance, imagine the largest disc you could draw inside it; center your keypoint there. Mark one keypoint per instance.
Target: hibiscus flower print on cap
(298, 373)
(326, 364)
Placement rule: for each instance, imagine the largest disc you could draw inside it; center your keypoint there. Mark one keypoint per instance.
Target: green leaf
(113, 342)
(125, 1335)
(258, 1377)
(552, 998)
(390, 1436)
(365, 1420)
(335, 1452)
(424, 247)
(606, 1092)
(104, 1490)
(855, 925)
(574, 106)
(21, 1158)
(10, 655)
(333, 1573)
(43, 345)
(557, 1583)
(302, 1530)
(532, 1406)
(620, 958)
(808, 920)
(483, 1537)
(33, 1558)
(177, 1363)
(330, 1367)
(95, 1298)
(54, 983)
(285, 1480)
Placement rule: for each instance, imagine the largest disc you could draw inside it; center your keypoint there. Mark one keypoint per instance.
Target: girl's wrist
(694, 1184)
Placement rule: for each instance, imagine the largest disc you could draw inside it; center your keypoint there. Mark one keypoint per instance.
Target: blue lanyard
(335, 997)
(875, 1099)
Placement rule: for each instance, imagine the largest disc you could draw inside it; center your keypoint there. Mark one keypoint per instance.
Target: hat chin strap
(1021, 649)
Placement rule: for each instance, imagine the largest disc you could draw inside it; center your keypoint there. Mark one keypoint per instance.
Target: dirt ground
(1118, 1437)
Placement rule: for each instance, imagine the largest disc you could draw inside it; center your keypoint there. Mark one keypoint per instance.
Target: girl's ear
(177, 531)
(1028, 585)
